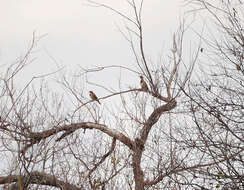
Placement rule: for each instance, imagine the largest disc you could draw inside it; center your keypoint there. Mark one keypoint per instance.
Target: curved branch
(40, 179)
(69, 129)
(154, 117)
(140, 142)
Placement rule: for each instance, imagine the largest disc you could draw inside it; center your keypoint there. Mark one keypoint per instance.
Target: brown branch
(154, 117)
(103, 158)
(140, 142)
(174, 50)
(159, 96)
(175, 170)
(40, 179)
(69, 129)
(156, 95)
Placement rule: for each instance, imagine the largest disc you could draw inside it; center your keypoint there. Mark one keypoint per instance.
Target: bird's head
(141, 77)
(90, 92)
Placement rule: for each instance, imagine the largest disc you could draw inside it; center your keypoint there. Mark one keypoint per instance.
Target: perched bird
(93, 96)
(144, 86)
(238, 67)
(201, 50)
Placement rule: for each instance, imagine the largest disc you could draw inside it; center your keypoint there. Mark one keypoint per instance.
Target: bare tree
(161, 135)
(216, 94)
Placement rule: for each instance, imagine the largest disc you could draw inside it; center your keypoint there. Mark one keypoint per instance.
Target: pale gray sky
(78, 34)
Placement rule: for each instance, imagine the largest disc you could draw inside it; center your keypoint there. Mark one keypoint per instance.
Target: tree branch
(41, 179)
(69, 129)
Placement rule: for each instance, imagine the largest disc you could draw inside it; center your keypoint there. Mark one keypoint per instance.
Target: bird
(238, 68)
(201, 50)
(144, 86)
(93, 96)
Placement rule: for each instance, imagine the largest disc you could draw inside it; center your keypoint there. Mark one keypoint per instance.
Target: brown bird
(238, 67)
(93, 96)
(144, 86)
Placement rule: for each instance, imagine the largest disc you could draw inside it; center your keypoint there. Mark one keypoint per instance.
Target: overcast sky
(78, 34)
